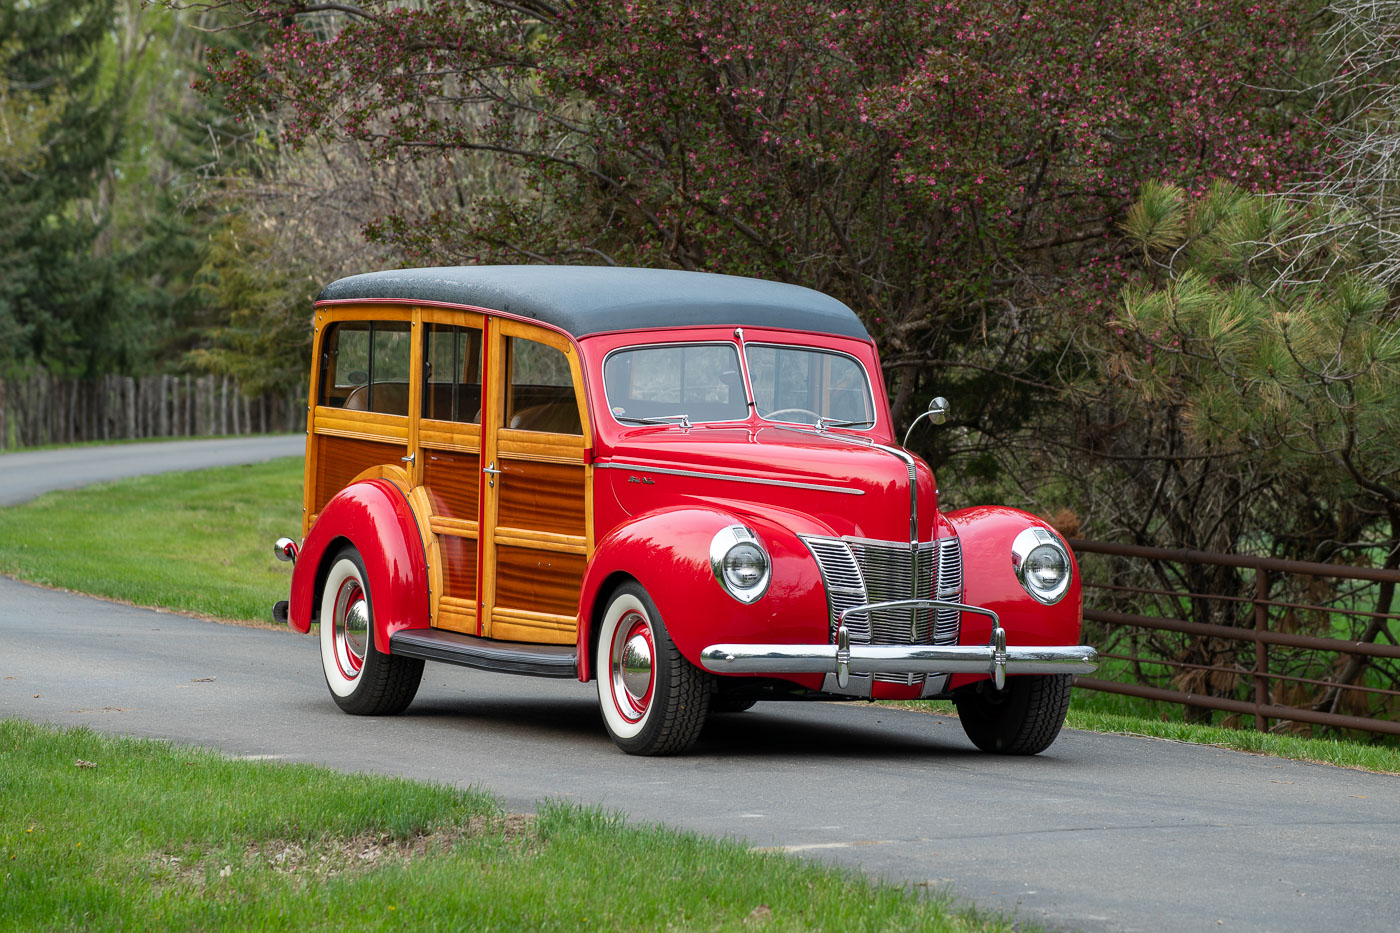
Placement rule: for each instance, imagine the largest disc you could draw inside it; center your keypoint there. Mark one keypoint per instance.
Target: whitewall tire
(362, 679)
(653, 700)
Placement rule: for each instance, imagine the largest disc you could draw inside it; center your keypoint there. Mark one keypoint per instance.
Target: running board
(505, 657)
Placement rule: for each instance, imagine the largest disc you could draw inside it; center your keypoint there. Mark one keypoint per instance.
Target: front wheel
(653, 700)
(1023, 719)
(363, 680)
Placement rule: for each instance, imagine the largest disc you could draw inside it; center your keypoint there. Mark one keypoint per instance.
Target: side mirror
(937, 413)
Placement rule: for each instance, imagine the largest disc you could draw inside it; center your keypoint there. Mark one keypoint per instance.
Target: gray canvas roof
(585, 300)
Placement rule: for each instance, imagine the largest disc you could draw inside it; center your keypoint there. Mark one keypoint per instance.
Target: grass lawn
(109, 833)
(197, 542)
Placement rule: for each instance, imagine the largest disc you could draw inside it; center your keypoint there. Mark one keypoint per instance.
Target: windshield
(700, 381)
(801, 385)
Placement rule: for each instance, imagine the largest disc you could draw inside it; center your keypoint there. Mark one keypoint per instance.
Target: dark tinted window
(364, 366)
(452, 373)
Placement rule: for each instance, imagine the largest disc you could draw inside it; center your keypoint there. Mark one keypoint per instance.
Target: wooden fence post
(1261, 648)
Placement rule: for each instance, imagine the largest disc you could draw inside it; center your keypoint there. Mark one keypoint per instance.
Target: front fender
(667, 552)
(374, 516)
(986, 533)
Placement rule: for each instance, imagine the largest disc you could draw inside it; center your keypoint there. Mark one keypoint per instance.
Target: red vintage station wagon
(685, 487)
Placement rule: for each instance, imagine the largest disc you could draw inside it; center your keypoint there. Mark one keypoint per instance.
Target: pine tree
(55, 297)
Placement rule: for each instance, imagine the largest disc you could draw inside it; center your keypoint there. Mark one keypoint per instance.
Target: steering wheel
(778, 415)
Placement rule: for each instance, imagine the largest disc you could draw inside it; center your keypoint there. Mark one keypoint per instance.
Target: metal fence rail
(1141, 593)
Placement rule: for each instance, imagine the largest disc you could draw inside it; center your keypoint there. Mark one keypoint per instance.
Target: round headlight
(1042, 565)
(740, 563)
(744, 566)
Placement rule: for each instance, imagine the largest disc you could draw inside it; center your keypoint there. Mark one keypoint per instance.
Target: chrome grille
(857, 571)
(889, 573)
(950, 584)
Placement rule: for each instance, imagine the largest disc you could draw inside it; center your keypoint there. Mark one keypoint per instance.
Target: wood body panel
(458, 567)
(541, 496)
(538, 581)
(339, 460)
(506, 559)
(452, 481)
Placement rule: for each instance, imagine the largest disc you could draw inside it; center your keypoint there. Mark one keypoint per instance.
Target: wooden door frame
(499, 444)
(458, 613)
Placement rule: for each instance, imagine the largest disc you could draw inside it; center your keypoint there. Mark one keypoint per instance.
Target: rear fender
(668, 553)
(374, 516)
(986, 534)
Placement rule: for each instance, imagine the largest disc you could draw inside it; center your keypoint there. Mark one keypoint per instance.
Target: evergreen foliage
(1267, 334)
(55, 295)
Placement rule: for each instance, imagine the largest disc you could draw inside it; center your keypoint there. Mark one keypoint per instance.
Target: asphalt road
(26, 474)
(1099, 833)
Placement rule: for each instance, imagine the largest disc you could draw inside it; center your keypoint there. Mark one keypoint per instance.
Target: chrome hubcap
(632, 667)
(636, 667)
(352, 628)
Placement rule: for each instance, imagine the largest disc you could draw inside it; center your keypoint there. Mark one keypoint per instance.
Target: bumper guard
(843, 659)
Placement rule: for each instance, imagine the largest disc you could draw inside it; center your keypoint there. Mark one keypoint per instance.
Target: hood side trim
(700, 474)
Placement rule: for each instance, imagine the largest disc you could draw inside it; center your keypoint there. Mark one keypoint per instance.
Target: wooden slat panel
(360, 423)
(340, 459)
(458, 567)
(507, 626)
(537, 581)
(452, 526)
(567, 448)
(453, 483)
(542, 497)
(519, 537)
(445, 435)
(457, 616)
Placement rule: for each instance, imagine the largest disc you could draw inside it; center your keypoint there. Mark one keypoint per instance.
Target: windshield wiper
(824, 423)
(682, 420)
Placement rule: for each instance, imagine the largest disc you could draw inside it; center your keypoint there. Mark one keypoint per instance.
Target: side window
(452, 373)
(364, 366)
(540, 389)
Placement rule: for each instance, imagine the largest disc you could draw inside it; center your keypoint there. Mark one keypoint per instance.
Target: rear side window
(452, 373)
(700, 381)
(365, 366)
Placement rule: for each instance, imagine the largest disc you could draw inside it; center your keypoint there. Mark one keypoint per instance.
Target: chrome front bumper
(844, 659)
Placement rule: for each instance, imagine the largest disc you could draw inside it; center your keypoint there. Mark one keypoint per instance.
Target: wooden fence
(41, 408)
(1261, 637)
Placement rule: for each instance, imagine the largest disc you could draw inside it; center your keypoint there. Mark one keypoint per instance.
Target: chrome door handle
(491, 473)
(409, 458)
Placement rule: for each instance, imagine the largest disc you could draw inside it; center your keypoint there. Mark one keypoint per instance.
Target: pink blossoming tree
(953, 171)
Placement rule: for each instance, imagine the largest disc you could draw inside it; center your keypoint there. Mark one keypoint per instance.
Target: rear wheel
(363, 680)
(1023, 719)
(653, 700)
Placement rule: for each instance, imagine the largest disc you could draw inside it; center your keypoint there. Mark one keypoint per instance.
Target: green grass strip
(197, 542)
(118, 833)
(1385, 758)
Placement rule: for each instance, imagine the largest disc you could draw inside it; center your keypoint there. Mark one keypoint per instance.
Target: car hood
(827, 483)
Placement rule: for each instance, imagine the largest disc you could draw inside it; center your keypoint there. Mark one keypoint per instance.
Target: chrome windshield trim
(700, 474)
